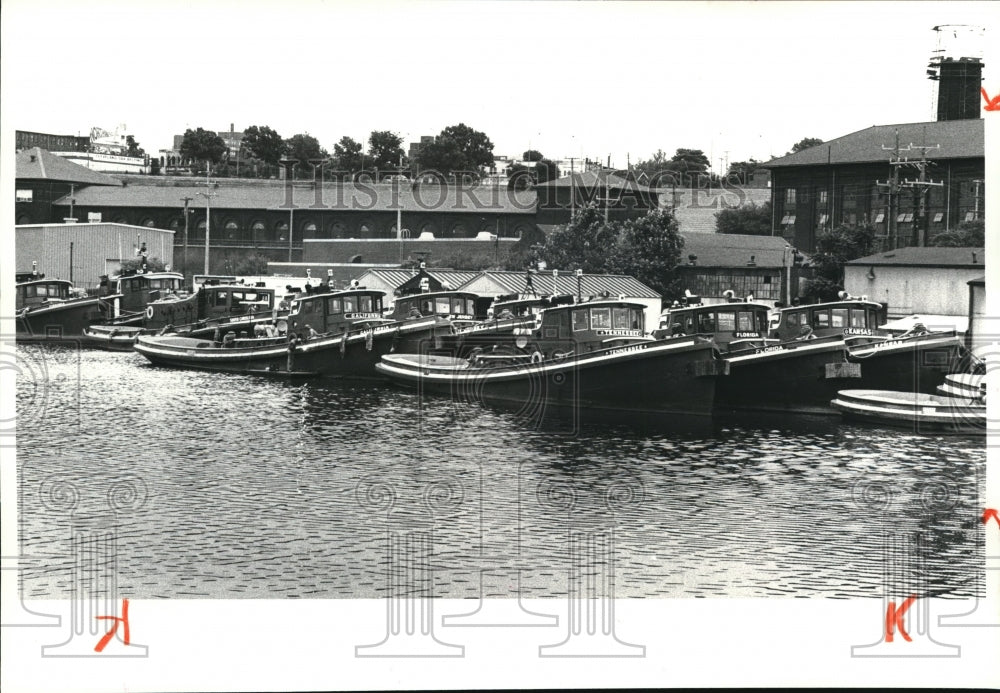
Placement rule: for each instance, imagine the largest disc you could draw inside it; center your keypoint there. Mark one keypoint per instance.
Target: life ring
(149, 312)
(536, 357)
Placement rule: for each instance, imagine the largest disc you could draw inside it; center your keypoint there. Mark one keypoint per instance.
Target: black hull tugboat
(586, 356)
(130, 295)
(228, 306)
(812, 353)
(334, 334)
(52, 310)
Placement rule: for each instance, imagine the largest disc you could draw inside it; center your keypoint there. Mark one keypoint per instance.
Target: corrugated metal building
(96, 249)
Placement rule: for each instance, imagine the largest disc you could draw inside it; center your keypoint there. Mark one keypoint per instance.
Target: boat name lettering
(624, 350)
(361, 316)
(745, 335)
(462, 316)
(858, 330)
(627, 333)
(764, 350)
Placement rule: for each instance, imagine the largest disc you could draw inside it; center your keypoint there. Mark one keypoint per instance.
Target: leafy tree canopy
(739, 171)
(805, 143)
(835, 247)
(748, 218)
(203, 145)
(133, 147)
(968, 234)
(264, 144)
(457, 149)
(385, 149)
(532, 155)
(683, 168)
(304, 147)
(648, 248)
(347, 155)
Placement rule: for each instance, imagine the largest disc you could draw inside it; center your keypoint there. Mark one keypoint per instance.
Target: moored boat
(812, 352)
(592, 355)
(338, 334)
(54, 310)
(920, 411)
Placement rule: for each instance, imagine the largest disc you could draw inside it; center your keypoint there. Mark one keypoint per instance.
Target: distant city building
(50, 143)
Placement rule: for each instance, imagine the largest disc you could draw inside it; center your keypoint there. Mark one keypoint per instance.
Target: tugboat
(129, 295)
(813, 351)
(591, 355)
(53, 309)
(325, 333)
(918, 411)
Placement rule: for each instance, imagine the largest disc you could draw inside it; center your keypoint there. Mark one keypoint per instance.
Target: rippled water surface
(220, 485)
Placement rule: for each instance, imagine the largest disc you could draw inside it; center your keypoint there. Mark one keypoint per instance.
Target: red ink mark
(991, 512)
(991, 104)
(894, 618)
(111, 633)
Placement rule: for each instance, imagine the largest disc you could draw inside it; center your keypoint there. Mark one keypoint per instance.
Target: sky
(582, 79)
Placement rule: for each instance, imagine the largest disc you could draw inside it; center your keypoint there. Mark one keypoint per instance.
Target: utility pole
(187, 214)
(208, 212)
(572, 186)
(920, 186)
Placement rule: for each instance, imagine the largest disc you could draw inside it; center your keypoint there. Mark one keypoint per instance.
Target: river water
(232, 486)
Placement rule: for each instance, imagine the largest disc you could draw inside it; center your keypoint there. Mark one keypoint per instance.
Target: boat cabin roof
(718, 308)
(813, 307)
(48, 282)
(317, 294)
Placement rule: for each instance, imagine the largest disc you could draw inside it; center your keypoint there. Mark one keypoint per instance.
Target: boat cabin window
(365, 304)
(334, 306)
(580, 320)
(706, 322)
(839, 317)
(350, 304)
(638, 318)
(620, 318)
(600, 318)
(726, 321)
(821, 318)
(221, 297)
(462, 306)
(858, 317)
(793, 319)
(311, 307)
(442, 306)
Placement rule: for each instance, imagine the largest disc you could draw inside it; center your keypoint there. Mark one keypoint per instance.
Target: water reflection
(264, 488)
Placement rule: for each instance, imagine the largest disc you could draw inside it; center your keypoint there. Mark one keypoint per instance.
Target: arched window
(459, 230)
(149, 223)
(281, 229)
(257, 229)
(337, 230)
(364, 231)
(232, 228)
(310, 228)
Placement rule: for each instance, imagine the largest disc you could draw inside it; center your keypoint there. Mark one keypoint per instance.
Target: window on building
(231, 229)
(282, 229)
(823, 218)
(23, 196)
(790, 196)
(258, 229)
(310, 227)
(788, 219)
(904, 217)
(880, 217)
(938, 217)
(822, 197)
(970, 216)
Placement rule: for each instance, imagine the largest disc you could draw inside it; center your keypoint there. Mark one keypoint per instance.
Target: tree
(252, 265)
(685, 167)
(587, 243)
(458, 149)
(834, 248)
(153, 264)
(968, 234)
(133, 147)
(303, 148)
(546, 170)
(532, 155)
(264, 143)
(805, 143)
(203, 145)
(740, 171)
(347, 155)
(649, 249)
(385, 150)
(748, 218)
(523, 176)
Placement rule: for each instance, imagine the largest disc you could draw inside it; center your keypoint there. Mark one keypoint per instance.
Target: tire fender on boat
(536, 357)
(149, 312)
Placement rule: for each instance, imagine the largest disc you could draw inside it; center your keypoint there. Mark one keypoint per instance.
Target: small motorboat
(920, 411)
